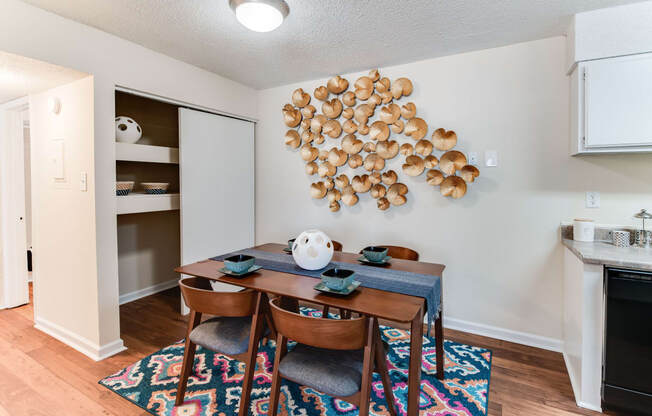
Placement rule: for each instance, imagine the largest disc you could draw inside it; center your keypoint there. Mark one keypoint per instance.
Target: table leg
(439, 341)
(414, 372)
(254, 338)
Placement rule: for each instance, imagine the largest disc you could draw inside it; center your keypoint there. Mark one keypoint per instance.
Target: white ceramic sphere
(312, 250)
(127, 130)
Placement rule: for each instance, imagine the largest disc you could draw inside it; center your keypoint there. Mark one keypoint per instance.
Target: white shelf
(146, 153)
(136, 203)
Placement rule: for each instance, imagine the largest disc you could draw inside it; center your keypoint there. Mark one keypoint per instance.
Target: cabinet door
(216, 169)
(618, 99)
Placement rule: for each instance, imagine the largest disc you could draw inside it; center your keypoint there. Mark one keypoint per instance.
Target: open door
(13, 253)
(216, 158)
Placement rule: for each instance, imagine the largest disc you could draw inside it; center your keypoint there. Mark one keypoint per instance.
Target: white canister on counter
(583, 229)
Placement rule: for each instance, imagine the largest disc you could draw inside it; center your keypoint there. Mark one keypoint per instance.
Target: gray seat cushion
(336, 373)
(225, 335)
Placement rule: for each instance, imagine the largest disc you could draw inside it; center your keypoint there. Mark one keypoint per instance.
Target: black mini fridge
(627, 370)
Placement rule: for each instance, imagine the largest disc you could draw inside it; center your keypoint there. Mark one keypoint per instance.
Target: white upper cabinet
(618, 97)
(611, 105)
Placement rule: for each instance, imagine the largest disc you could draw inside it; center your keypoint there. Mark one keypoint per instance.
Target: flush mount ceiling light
(260, 15)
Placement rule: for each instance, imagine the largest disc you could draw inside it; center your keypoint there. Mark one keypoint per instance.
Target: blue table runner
(422, 285)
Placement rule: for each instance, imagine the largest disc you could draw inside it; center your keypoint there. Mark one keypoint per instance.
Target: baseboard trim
(110, 349)
(504, 334)
(81, 344)
(137, 294)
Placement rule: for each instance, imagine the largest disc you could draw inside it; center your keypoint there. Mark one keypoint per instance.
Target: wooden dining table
(390, 306)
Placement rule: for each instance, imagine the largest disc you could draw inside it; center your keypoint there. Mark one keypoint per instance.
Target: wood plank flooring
(41, 376)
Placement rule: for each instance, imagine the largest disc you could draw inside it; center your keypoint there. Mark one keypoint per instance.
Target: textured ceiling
(20, 76)
(323, 37)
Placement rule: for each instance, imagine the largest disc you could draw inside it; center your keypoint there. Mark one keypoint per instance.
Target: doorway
(20, 77)
(14, 215)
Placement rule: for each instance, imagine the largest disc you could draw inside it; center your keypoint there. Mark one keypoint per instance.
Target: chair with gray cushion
(235, 330)
(335, 357)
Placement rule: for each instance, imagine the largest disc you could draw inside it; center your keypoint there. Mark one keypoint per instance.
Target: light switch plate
(491, 158)
(593, 199)
(473, 158)
(83, 182)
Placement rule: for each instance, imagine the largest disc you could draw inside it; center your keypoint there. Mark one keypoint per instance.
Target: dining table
(385, 305)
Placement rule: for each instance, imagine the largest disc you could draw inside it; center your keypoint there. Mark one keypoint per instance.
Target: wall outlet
(593, 199)
(473, 158)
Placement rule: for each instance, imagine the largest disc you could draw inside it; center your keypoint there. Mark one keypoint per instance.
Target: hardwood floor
(41, 376)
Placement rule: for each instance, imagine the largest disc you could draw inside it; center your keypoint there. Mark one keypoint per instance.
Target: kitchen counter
(607, 254)
(584, 300)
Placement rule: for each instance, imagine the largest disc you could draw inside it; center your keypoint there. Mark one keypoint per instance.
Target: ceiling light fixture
(260, 15)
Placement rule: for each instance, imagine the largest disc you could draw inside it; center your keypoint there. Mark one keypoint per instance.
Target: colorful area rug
(215, 385)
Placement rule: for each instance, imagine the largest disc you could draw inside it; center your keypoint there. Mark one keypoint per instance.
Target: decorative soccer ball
(312, 250)
(127, 130)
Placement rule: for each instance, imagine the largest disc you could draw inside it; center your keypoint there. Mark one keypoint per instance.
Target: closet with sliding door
(207, 162)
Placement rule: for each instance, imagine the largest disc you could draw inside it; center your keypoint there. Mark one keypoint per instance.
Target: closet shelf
(146, 153)
(136, 203)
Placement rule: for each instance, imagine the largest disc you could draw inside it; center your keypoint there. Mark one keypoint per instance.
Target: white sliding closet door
(216, 167)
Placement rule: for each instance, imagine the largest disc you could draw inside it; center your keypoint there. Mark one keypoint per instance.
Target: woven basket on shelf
(123, 187)
(155, 187)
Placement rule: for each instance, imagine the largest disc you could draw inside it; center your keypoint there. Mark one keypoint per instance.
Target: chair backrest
(402, 253)
(337, 246)
(334, 334)
(398, 252)
(200, 297)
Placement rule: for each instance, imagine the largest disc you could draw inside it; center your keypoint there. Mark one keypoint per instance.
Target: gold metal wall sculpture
(346, 118)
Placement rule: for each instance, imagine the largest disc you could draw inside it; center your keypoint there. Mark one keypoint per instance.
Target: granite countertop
(600, 252)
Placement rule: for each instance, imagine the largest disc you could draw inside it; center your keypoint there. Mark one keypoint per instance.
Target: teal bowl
(337, 279)
(375, 253)
(291, 243)
(239, 263)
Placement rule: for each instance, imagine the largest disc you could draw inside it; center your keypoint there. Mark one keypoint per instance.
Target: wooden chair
(336, 357)
(235, 331)
(398, 252)
(405, 253)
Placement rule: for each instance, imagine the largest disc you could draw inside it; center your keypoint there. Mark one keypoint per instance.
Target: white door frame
(13, 229)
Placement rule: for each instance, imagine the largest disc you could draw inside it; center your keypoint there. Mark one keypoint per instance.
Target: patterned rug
(215, 385)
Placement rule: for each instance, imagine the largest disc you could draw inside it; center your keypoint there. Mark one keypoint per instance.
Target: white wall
(64, 248)
(32, 32)
(500, 243)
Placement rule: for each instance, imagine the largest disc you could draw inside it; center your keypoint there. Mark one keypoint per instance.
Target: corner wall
(32, 32)
(500, 243)
(65, 298)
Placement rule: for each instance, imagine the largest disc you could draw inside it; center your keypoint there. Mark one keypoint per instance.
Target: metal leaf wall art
(346, 133)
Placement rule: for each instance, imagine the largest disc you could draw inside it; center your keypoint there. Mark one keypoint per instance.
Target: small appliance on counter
(643, 236)
(620, 238)
(583, 230)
